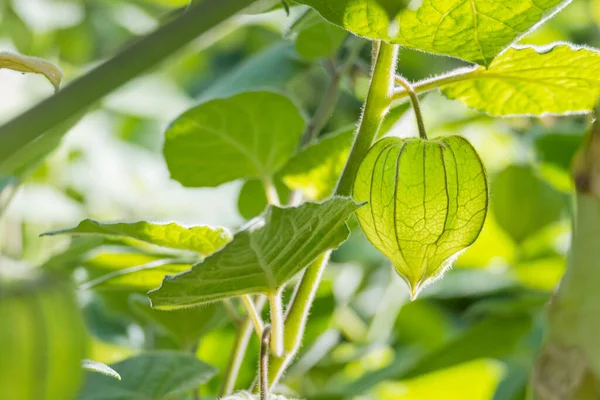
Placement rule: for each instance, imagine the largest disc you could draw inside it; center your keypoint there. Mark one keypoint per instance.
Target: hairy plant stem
(253, 314)
(376, 106)
(264, 363)
(239, 351)
(128, 64)
(414, 99)
(277, 326)
(458, 75)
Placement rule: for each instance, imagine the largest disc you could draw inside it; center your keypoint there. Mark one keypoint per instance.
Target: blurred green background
(471, 335)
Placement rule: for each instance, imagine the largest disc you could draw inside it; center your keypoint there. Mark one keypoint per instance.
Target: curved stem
(239, 350)
(376, 106)
(458, 75)
(415, 103)
(253, 314)
(264, 363)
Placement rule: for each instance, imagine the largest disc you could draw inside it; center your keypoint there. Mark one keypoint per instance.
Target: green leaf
(558, 149)
(201, 239)
(249, 135)
(34, 65)
(427, 202)
(523, 203)
(187, 325)
(474, 30)
(261, 260)
(270, 69)
(157, 375)
(318, 38)
(98, 367)
(252, 199)
(533, 81)
(316, 169)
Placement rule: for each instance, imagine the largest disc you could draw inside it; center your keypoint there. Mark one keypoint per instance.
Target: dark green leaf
(158, 375)
(249, 135)
(319, 38)
(261, 260)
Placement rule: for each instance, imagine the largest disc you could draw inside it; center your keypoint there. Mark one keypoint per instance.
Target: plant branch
(297, 315)
(277, 327)
(376, 106)
(458, 75)
(253, 314)
(331, 96)
(239, 351)
(128, 64)
(415, 104)
(264, 363)
(232, 312)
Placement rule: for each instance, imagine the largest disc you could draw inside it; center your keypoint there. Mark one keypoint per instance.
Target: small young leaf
(523, 203)
(533, 81)
(249, 135)
(316, 169)
(95, 366)
(157, 375)
(474, 30)
(201, 239)
(186, 326)
(35, 65)
(252, 199)
(261, 260)
(427, 202)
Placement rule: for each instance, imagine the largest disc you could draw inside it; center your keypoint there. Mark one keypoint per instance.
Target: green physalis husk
(427, 201)
(42, 339)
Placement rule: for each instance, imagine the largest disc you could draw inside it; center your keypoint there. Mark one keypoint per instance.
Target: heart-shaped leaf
(249, 135)
(261, 260)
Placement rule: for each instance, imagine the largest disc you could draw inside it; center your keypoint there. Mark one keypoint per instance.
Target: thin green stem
(277, 327)
(128, 64)
(414, 99)
(229, 307)
(331, 96)
(458, 75)
(271, 192)
(297, 315)
(253, 314)
(239, 351)
(264, 364)
(376, 106)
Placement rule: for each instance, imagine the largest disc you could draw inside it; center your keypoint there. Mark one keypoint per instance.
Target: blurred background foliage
(471, 335)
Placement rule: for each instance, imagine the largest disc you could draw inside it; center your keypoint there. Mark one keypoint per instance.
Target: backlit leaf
(201, 239)
(474, 30)
(26, 64)
(427, 202)
(249, 135)
(316, 169)
(533, 81)
(157, 375)
(263, 259)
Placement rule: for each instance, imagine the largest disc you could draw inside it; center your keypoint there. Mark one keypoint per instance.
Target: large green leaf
(187, 325)
(523, 203)
(261, 260)
(316, 169)
(249, 135)
(533, 81)
(158, 375)
(201, 239)
(474, 30)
